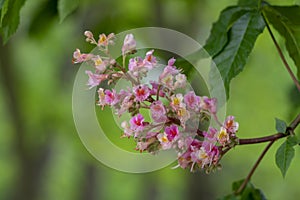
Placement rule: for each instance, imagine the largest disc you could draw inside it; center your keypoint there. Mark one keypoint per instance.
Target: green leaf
(66, 7)
(4, 8)
(284, 155)
(280, 125)
(251, 3)
(218, 35)
(285, 19)
(243, 34)
(249, 192)
(10, 18)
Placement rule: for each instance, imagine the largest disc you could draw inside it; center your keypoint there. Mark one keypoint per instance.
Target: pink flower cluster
(175, 116)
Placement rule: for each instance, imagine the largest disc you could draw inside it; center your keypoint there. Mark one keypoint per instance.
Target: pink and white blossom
(158, 112)
(129, 44)
(191, 100)
(223, 136)
(128, 132)
(149, 60)
(79, 57)
(177, 101)
(90, 37)
(104, 40)
(172, 132)
(111, 97)
(155, 86)
(95, 79)
(164, 141)
(137, 123)
(211, 135)
(180, 81)
(141, 92)
(99, 64)
(209, 104)
(230, 125)
(101, 95)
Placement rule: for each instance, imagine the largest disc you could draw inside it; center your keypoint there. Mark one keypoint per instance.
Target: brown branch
(261, 139)
(282, 56)
(272, 138)
(242, 187)
(276, 136)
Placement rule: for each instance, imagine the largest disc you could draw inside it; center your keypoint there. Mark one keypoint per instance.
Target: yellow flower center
(222, 134)
(164, 139)
(98, 61)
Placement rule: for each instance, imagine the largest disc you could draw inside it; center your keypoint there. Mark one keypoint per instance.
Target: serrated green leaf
(243, 34)
(10, 18)
(280, 125)
(66, 7)
(218, 35)
(284, 155)
(285, 19)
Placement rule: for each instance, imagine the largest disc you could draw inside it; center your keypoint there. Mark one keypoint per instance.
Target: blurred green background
(41, 155)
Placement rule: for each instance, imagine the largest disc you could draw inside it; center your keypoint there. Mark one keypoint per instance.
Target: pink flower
(111, 97)
(151, 135)
(211, 135)
(79, 57)
(95, 79)
(185, 159)
(209, 104)
(180, 81)
(172, 132)
(164, 141)
(90, 37)
(104, 40)
(167, 76)
(171, 61)
(158, 112)
(149, 61)
(101, 95)
(176, 101)
(135, 65)
(154, 89)
(183, 115)
(141, 146)
(223, 136)
(129, 44)
(127, 130)
(141, 92)
(231, 125)
(191, 100)
(126, 101)
(100, 65)
(137, 123)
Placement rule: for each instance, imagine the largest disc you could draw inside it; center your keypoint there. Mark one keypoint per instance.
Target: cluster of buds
(175, 116)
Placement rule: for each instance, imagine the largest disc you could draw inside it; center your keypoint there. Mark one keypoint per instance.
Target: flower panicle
(174, 115)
